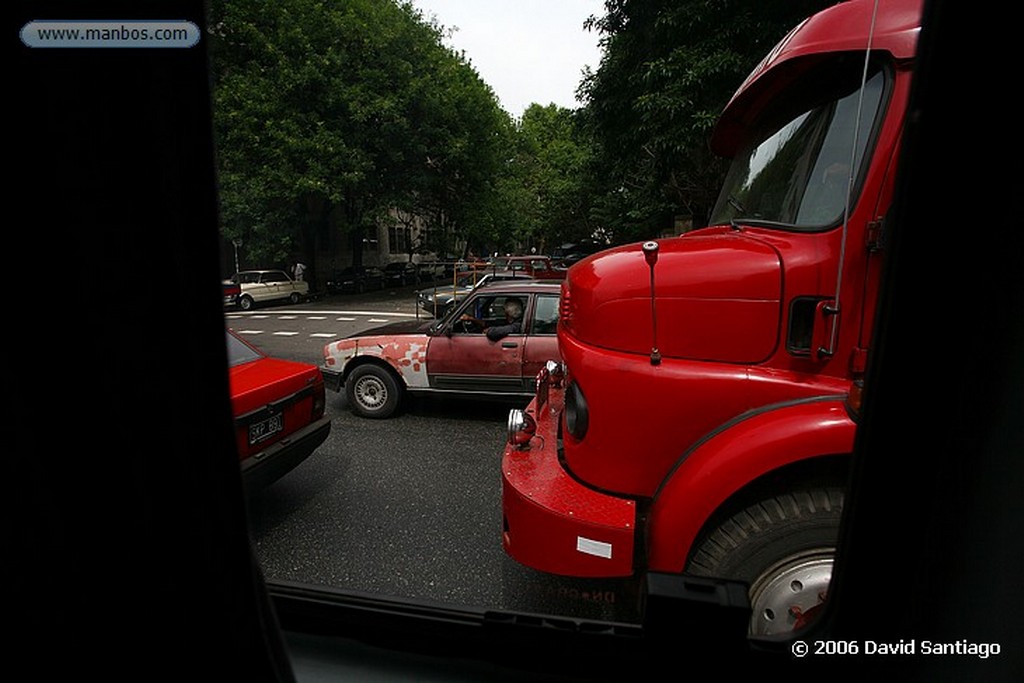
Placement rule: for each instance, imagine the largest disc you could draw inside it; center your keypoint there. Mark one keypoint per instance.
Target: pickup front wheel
(372, 392)
(245, 302)
(782, 547)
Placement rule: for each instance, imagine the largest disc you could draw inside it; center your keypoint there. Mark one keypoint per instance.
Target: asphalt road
(407, 507)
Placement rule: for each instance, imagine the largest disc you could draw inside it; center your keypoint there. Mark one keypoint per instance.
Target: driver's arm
(466, 317)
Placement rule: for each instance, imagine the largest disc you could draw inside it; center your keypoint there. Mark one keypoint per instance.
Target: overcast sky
(526, 50)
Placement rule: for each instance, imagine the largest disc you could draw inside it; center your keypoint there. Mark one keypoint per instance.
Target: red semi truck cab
(704, 412)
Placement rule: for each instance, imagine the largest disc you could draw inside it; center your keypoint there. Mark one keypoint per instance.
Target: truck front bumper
(552, 522)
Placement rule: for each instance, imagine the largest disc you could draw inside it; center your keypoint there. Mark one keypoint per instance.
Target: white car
(261, 286)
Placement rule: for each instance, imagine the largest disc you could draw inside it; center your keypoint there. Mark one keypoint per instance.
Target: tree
(667, 70)
(547, 179)
(329, 115)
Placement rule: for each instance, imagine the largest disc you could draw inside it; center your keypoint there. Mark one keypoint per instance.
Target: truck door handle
(509, 345)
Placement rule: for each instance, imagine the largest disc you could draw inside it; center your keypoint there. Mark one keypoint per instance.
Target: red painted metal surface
(695, 381)
(761, 442)
(264, 387)
(585, 532)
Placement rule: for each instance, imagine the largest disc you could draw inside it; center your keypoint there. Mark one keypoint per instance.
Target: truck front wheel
(781, 546)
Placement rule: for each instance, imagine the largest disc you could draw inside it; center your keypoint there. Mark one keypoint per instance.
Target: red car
(232, 290)
(278, 408)
(456, 355)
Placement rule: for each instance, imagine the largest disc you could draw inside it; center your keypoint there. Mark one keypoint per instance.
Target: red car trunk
(271, 399)
(278, 407)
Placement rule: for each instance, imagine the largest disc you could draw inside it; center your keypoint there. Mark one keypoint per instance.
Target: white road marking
(284, 334)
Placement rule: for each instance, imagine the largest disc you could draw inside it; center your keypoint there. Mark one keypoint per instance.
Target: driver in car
(513, 321)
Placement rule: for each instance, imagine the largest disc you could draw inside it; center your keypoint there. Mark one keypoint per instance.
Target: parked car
(278, 408)
(540, 267)
(355, 279)
(231, 291)
(400, 273)
(572, 252)
(428, 271)
(438, 300)
(261, 286)
(448, 356)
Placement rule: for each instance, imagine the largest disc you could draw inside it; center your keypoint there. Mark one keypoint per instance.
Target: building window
(398, 240)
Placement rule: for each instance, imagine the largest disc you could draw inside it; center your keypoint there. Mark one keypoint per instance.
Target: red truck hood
(718, 298)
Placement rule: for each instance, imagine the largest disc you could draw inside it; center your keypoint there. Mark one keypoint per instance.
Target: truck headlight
(577, 415)
(521, 427)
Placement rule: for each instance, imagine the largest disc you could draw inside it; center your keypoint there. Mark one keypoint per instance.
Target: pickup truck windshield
(797, 174)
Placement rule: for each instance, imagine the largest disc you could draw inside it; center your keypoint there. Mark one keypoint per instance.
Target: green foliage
(330, 114)
(667, 70)
(544, 185)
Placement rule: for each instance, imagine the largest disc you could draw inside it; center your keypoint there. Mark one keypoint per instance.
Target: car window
(545, 315)
(239, 352)
(491, 310)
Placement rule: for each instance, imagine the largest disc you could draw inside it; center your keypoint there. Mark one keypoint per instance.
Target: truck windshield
(797, 174)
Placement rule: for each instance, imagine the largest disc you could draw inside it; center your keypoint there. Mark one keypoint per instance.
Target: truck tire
(373, 392)
(245, 302)
(781, 546)
(295, 298)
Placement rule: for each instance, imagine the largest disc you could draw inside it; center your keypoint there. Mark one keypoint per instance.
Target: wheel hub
(790, 594)
(371, 393)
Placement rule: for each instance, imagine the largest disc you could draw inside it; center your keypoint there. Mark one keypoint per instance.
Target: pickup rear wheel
(782, 547)
(373, 392)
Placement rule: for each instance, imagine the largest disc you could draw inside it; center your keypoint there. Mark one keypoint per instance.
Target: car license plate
(264, 429)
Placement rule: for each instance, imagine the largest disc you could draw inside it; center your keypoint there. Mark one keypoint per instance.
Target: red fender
(722, 464)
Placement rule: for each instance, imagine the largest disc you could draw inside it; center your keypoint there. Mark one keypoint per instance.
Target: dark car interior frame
(130, 551)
